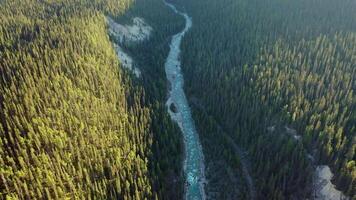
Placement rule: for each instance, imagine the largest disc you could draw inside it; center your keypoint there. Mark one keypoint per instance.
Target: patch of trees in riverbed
(257, 64)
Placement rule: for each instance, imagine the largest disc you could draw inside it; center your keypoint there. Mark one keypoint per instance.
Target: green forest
(257, 69)
(74, 124)
(271, 85)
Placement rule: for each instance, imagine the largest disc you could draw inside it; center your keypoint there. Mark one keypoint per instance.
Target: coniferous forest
(74, 125)
(271, 85)
(278, 77)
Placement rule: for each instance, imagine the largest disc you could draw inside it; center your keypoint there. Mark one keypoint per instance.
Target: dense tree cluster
(278, 77)
(73, 124)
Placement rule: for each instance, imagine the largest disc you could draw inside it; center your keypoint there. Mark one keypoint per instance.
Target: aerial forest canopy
(279, 77)
(73, 124)
(271, 87)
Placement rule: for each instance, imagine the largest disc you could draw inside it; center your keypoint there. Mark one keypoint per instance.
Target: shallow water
(194, 159)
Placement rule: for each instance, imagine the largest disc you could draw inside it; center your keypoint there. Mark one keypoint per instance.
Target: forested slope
(278, 77)
(74, 125)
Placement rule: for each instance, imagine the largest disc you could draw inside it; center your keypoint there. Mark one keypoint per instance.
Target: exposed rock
(324, 189)
(137, 32)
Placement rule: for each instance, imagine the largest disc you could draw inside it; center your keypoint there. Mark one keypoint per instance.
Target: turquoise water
(194, 159)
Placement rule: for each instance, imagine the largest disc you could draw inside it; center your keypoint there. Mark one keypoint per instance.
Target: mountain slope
(74, 125)
(279, 77)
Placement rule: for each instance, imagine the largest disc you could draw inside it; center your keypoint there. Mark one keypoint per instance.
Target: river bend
(194, 158)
